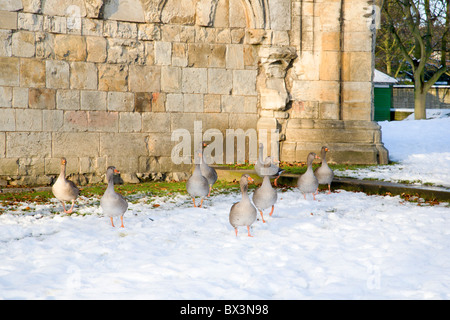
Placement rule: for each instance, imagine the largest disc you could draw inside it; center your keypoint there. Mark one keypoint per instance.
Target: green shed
(382, 91)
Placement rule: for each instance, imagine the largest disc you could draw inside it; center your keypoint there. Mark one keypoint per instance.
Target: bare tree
(427, 23)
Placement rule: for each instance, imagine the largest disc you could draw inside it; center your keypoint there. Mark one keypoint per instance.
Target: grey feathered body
(197, 185)
(265, 196)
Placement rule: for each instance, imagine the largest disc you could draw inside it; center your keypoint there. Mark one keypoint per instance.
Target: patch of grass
(131, 191)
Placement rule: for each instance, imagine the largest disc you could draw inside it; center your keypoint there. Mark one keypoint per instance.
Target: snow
(345, 245)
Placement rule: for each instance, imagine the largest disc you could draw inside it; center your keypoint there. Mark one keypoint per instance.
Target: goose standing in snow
(65, 190)
(267, 167)
(272, 170)
(112, 203)
(265, 197)
(307, 182)
(243, 213)
(324, 174)
(197, 185)
(209, 173)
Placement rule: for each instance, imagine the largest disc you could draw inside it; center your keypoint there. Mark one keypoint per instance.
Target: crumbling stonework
(106, 82)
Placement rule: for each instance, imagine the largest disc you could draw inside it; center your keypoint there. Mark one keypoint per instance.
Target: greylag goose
(307, 182)
(267, 167)
(209, 173)
(264, 197)
(112, 203)
(197, 185)
(243, 213)
(65, 190)
(273, 170)
(324, 174)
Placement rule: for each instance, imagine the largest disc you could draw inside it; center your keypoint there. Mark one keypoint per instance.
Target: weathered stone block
(329, 65)
(5, 43)
(159, 144)
(6, 95)
(149, 32)
(83, 75)
(33, 6)
(130, 122)
(7, 120)
(194, 80)
(155, 122)
(42, 98)
(9, 71)
(32, 73)
(211, 103)
(142, 102)
(120, 101)
(163, 53)
(96, 49)
(92, 27)
(357, 66)
(75, 121)
(124, 10)
(68, 99)
(93, 100)
(174, 102)
(70, 47)
(29, 120)
(20, 97)
(30, 22)
(170, 79)
(123, 144)
(179, 55)
(244, 82)
(220, 81)
(52, 120)
(232, 104)
(113, 77)
(57, 74)
(216, 58)
(158, 102)
(103, 121)
(234, 57)
(28, 144)
(145, 78)
(193, 103)
(55, 24)
(86, 144)
(8, 20)
(125, 51)
(198, 54)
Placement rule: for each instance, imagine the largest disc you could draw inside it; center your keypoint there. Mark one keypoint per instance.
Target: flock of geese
(242, 213)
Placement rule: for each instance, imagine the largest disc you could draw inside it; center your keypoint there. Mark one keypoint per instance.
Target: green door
(382, 103)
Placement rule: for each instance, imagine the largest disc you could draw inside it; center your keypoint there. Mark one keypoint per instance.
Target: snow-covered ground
(420, 148)
(344, 245)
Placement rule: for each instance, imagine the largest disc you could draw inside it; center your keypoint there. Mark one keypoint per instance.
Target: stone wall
(106, 82)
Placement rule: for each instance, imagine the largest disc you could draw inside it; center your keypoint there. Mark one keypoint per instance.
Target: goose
(197, 185)
(209, 173)
(273, 170)
(324, 174)
(267, 167)
(307, 182)
(243, 213)
(264, 197)
(65, 190)
(112, 203)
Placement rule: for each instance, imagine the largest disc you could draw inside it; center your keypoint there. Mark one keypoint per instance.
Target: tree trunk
(420, 96)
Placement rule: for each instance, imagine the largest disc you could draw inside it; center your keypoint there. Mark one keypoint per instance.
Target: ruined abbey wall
(106, 82)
